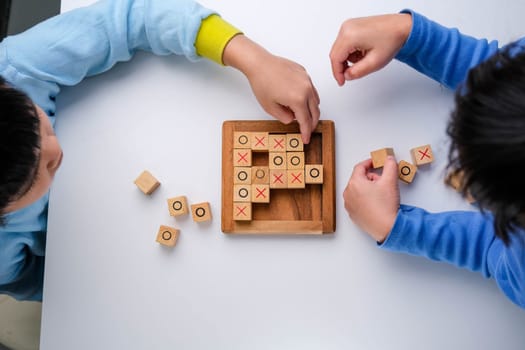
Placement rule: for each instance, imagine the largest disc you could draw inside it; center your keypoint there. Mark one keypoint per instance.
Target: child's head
(488, 138)
(29, 151)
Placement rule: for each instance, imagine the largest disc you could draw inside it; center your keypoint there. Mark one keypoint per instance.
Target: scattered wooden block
(242, 175)
(260, 141)
(242, 193)
(178, 206)
(242, 211)
(406, 171)
(146, 182)
(201, 212)
(379, 156)
(277, 143)
(278, 178)
(313, 174)
(167, 236)
(242, 139)
(242, 157)
(295, 160)
(422, 155)
(260, 175)
(294, 142)
(295, 178)
(277, 160)
(455, 180)
(260, 193)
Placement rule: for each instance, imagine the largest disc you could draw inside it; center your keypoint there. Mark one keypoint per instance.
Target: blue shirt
(62, 51)
(464, 239)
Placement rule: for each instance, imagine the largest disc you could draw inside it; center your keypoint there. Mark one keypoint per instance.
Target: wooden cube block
(242, 211)
(242, 139)
(277, 143)
(242, 157)
(260, 175)
(379, 157)
(260, 193)
(313, 174)
(167, 236)
(260, 141)
(422, 155)
(201, 212)
(146, 182)
(294, 142)
(278, 178)
(295, 178)
(242, 193)
(277, 160)
(294, 160)
(406, 171)
(242, 175)
(455, 179)
(178, 206)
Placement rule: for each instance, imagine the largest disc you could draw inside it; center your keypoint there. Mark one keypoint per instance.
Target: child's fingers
(366, 65)
(390, 171)
(362, 169)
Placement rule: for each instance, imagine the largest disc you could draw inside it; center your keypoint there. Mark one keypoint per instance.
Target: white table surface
(109, 285)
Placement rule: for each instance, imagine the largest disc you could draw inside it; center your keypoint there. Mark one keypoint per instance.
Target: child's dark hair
(19, 144)
(487, 129)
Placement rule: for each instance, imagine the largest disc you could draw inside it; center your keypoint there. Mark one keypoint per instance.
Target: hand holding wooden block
(379, 156)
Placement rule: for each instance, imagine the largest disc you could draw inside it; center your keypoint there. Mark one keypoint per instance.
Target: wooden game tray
(290, 211)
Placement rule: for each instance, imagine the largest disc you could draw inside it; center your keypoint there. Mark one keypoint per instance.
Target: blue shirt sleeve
(464, 239)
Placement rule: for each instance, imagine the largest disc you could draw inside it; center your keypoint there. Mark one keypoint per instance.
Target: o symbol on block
(243, 139)
(314, 172)
(200, 212)
(294, 143)
(405, 170)
(260, 173)
(166, 235)
(295, 160)
(243, 193)
(278, 160)
(243, 175)
(177, 205)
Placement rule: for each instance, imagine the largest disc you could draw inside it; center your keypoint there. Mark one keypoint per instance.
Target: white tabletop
(109, 285)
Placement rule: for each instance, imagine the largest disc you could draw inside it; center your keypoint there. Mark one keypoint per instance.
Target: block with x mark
(242, 211)
(242, 157)
(260, 193)
(260, 141)
(277, 143)
(422, 155)
(295, 178)
(278, 178)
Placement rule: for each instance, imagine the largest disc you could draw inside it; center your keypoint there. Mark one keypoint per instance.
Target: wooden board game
(306, 210)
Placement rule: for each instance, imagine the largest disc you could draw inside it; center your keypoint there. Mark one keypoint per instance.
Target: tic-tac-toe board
(306, 210)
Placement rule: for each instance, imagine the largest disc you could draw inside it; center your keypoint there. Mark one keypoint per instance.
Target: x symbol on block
(240, 211)
(260, 192)
(242, 157)
(278, 143)
(259, 141)
(278, 178)
(296, 178)
(424, 154)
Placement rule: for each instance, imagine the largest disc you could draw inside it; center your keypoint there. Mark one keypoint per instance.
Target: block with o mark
(242, 211)
(260, 175)
(379, 156)
(406, 171)
(178, 206)
(167, 236)
(295, 160)
(422, 155)
(201, 212)
(260, 193)
(242, 175)
(277, 143)
(313, 174)
(278, 178)
(242, 139)
(146, 182)
(277, 160)
(295, 178)
(242, 157)
(242, 193)
(294, 142)
(260, 141)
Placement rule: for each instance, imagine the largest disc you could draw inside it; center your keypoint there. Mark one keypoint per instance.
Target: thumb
(363, 67)
(390, 172)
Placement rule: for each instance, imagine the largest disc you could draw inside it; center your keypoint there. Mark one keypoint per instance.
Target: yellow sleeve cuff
(213, 36)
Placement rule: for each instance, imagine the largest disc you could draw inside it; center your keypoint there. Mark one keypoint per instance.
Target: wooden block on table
(278, 178)
(313, 174)
(277, 160)
(260, 175)
(294, 160)
(294, 143)
(242, 175)
(242, 157)
(277, 143)
(260, 193)
(295, 178)
(260, 141)
(242, 139)
(167, 236)
(455, 179)
(242, 193)
(379, 156)
(178, 206)
(201, 212)
(406, 171)
(242, 211)
(422, 155)
(146, 182)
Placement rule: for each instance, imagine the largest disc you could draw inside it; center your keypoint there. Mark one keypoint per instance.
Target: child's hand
(369, 44)
(372, 200)
(282, 87)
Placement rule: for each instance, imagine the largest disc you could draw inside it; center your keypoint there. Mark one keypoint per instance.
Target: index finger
(361, 169)
(304, 118)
